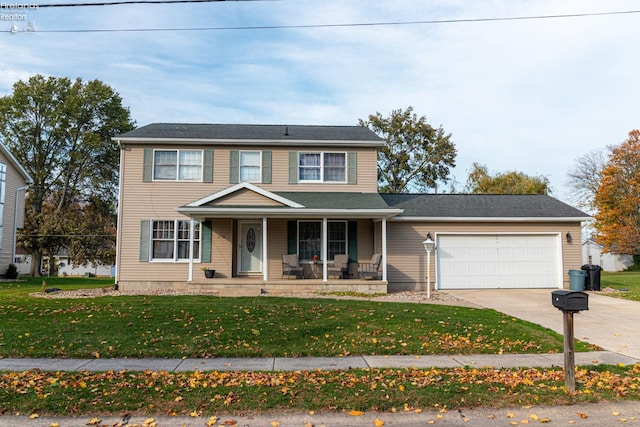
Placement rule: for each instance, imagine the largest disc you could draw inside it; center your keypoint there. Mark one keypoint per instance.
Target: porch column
(191, 229)
(265, 255)
(384, 249)
(325, 251)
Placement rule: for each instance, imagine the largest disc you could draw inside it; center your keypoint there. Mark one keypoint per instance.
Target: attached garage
(483, 241)
(503, 261)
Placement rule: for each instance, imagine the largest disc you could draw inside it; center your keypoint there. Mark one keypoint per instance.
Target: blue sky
(525, 95)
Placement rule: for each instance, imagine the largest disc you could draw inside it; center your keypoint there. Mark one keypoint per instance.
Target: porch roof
(307, 204)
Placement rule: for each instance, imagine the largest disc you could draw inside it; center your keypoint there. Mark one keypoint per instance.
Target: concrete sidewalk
(314, 363)
(610, 323)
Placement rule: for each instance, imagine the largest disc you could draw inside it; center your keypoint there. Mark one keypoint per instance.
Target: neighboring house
(593, 253)
(236, 198)
(63, 266)
(14, 181)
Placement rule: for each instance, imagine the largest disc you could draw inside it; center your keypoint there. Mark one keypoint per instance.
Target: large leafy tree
(60, 130)
(416, 155)
(618, 199)
(480, 181)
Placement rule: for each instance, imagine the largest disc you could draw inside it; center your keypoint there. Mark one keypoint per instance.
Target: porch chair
(340, 266)
(369, 270)
(291, 266)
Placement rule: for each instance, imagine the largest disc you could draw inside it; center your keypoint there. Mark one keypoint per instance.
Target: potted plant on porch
(208, 272)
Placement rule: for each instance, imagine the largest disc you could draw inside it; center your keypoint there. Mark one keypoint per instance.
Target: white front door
(249, 247)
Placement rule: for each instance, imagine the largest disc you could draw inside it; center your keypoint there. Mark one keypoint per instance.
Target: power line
(301, 26)
(118, 3)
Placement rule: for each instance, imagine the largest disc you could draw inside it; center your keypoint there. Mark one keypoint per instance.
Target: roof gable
(14, 162)
(240, 192)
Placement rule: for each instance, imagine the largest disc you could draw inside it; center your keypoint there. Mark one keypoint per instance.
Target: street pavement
(600, 415)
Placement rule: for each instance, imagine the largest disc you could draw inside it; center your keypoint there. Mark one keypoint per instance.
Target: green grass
(627, 282)
(207, 326)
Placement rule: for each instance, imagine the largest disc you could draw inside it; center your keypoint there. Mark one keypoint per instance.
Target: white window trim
(346, 238)
(259, 180)
(175, 259)
(153, 166)
(322, 180)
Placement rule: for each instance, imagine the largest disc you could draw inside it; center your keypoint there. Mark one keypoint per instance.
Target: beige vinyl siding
(406, 258)
(222, 247)
(245, 197)
(159, 200)
(277, 235)
(14, 181)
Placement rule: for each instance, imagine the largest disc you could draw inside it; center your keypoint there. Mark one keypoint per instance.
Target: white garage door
(498, 261)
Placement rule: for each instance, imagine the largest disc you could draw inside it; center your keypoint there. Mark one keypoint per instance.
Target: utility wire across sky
(304, 26)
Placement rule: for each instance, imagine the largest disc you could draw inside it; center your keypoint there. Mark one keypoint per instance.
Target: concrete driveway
(611, 323)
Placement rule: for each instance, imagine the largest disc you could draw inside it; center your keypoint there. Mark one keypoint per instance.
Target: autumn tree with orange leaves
(618, 199)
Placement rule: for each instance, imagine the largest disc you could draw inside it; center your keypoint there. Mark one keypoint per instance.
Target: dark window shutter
(352, 164)
(147, 165)
(352, 227)
(266, 167)
(292, 237)
(145, 237)
(207, 169)
(234, 166)
(293, 167)
(205, 245)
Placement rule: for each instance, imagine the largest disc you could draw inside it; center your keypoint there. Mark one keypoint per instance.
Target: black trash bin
(592, 282)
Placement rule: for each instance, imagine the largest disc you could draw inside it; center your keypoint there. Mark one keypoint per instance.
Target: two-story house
(237, 198)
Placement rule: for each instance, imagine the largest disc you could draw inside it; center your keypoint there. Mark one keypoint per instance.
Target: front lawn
(207, 326)
(627, 282)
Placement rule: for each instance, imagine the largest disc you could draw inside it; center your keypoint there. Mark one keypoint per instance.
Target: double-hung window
(250, 166)
(310, 239)
(177, 165)
(170, 240)
(322, 167)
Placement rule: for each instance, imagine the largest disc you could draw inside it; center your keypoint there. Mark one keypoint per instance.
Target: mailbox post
(569, 302)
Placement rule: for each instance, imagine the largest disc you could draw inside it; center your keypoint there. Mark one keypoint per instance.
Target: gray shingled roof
(481, 206)
(336, 200)
(251, 132)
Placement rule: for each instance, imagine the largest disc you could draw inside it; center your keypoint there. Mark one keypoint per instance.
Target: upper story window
(250, 166)
(177, 165)
(322, 167)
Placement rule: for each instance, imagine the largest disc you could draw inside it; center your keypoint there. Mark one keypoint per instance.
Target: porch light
(569, 237)
(429, 246)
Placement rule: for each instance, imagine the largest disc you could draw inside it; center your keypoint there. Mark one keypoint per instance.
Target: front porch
(256, 286)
